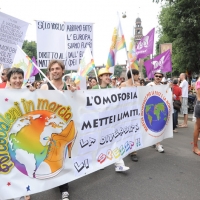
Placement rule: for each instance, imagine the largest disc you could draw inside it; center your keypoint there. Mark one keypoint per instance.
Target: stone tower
(138, 37)
(138, 30)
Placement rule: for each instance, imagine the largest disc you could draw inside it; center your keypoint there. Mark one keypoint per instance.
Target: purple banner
(162, 62)
(145, 46)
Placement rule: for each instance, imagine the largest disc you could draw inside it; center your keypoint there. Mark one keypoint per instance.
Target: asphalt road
(173, 175)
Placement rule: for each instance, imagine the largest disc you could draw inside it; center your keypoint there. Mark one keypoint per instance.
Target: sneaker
(65, 196)
(121, 168)
(159, 148)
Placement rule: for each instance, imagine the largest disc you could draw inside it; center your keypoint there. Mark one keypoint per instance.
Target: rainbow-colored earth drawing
(29, 139)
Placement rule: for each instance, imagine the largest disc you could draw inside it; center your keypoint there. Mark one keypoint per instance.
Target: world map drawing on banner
(26, 157)
(156, 113)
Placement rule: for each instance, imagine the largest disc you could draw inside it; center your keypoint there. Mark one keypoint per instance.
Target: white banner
(12, 33)
(50, 42)
(49, 138)
(78, 36)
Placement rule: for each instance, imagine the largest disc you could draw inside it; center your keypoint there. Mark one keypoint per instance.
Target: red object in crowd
(177, 91)
(3, 85)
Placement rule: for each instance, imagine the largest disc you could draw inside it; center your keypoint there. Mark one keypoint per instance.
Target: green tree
(30, 48)
(169, 1)
(118, 70)
(179, 24)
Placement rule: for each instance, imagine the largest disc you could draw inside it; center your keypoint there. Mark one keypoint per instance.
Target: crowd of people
(13, 78)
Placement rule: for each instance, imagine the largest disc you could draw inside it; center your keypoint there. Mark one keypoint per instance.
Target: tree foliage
(180, 25)
(118, 70)
(169, 1)
(30, 48)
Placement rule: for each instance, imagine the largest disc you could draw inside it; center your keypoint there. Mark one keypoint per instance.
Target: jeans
(175, 118)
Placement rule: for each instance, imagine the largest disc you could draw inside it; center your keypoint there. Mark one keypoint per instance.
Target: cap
(104, 71)
(113, 77)
(158, 72)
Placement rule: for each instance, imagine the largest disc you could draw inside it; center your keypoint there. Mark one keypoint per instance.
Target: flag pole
(126, 50)
(45, 76)
(39, 70)
(96, 77)
(151, 67)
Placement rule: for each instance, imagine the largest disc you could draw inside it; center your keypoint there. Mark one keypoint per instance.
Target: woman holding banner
(15, 77)
(104, 81)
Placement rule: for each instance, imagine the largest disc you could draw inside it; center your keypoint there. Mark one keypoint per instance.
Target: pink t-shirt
(197, 85)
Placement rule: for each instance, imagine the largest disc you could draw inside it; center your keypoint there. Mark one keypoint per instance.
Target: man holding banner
(129, 83)
(158, 75)
(56, 69)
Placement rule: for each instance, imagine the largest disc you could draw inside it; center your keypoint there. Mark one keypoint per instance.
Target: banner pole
(126, 50)
(39, 70)
(151, 68)
(96, 77)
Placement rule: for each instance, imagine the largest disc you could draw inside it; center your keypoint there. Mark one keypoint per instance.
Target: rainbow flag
(121, 43)
(118, 43)
(29, 68)
(23, 62)
(111, 59)
(86, 65)
(132, 55)
(90, 66)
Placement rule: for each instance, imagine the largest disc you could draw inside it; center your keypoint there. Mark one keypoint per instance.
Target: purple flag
(35, 70)
(162, 62)
(145, 46)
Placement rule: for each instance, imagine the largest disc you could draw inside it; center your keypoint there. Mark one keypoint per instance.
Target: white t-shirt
(184, 87)
(152, 84)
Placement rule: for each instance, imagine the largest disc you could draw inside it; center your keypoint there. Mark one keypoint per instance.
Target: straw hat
(104, 71)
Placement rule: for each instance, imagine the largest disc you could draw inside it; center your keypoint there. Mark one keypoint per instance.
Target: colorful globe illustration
(29, 139)
(155, 114)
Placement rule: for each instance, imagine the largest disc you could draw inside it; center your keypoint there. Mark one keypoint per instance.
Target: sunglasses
(158, 76)
(3, 74)
(28, 86)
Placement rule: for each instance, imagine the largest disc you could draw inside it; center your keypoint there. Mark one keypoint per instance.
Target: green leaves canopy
(30, 48)
(180, 25)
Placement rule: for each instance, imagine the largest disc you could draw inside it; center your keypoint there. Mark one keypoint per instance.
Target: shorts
(184, 106)
(197, 110)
